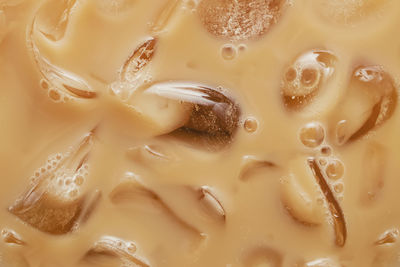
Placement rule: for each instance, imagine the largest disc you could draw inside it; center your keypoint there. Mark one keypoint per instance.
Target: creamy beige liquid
(189, 133)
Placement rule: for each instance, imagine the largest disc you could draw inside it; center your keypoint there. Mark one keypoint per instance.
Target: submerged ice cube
(61, 84)
(213, 117)
(114, 251)
(370, 101)
(305, 77)
(55, 201)
(240, 19)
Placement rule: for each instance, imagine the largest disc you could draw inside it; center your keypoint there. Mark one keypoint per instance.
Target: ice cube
(336, 212)
(301, 196)
(55, 202)
(252, 164)
(213, 117)
(117, 248)
(370, 101)
(133, 191)
(348, 12)
(305, 77)
(140, 58)
(263, 257)
(61, 84)
(210, 204)
(323, 262)
(114, 7)
(373, 172)
(241, 19)
(388, 237)
(11, 237)
(165, 16)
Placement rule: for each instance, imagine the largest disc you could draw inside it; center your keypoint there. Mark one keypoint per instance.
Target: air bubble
(250, 125)
(242, 47)
(322, 162)
(53, 94)
(312, 134)
(131, 247)
(228, 52)
(326, 151)
(44, 84)
(335, 169)
(79, 180)
(338, 188)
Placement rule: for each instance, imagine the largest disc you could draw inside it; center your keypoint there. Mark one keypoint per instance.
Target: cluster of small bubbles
(228, 51)
(335, 169)
(250, 125)
(58, 96)
(312, 134)
(48, 168)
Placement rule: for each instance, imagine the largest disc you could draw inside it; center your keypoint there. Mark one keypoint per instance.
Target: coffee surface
(199, 133)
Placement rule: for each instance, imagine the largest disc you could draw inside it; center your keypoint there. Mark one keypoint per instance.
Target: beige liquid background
(95, 46)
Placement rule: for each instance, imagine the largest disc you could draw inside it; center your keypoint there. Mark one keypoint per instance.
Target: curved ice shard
(11, 237)
(252, 164)
(61, 84)
(300, 194)
(55, 202)
(370, 100)
(213, 117)
(110, 246)
(135, 192)
(337, 216)
(139, 59)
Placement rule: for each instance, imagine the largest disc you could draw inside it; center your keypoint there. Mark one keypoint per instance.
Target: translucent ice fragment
(211, 205)
(337, 216)
(252, 164)
(323, 262)
(133, 191)
(348, 12)
(240, 19)
(165, 16)
(373, 172)
(11, 237)
(61, 84)
(55, 202)
(113, 247)
(263, 256)
(305, 77)
(370, 101)
(213, 117)
(301, 196)
(388, 237)
(139, 59)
